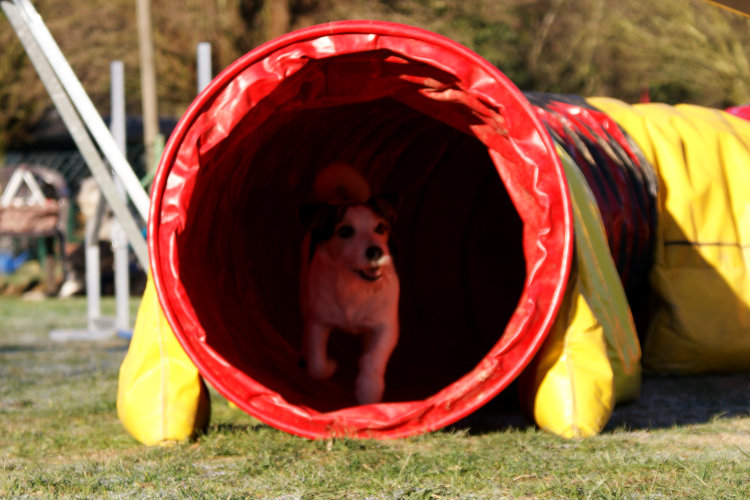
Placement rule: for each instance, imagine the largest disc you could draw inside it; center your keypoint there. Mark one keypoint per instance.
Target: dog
(348, 278)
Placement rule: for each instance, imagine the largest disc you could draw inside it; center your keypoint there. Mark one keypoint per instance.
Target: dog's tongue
(371, 273)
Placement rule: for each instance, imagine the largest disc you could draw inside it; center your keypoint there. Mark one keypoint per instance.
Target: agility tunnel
(495, 188)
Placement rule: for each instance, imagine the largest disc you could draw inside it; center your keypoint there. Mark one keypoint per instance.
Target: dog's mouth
(370, 273)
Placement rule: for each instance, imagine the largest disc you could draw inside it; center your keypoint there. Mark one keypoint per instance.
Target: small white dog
(348, 278)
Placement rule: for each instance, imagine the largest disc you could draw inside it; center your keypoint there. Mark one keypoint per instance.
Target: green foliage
(22, 96)
(92, 34)
(682, 50)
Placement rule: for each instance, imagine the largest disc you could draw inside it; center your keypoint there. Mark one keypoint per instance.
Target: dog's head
(355, 235)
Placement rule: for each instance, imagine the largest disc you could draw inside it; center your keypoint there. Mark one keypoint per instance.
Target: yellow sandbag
(701, 272)
(160, 395)
(591, 358)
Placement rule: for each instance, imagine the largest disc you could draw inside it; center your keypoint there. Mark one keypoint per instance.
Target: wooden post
(148, 80)
(276, 17)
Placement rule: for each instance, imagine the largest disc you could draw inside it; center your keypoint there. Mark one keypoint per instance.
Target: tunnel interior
(481, 243)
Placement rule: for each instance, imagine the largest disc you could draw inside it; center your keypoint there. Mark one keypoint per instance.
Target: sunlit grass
(60, 438)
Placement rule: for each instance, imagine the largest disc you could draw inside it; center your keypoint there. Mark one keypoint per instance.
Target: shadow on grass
(56, 347)
(500, 414)
(234, 428)
(21, 348)
(665, 402)
(668, 401)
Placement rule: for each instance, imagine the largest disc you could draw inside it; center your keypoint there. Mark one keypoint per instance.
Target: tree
(683, 50)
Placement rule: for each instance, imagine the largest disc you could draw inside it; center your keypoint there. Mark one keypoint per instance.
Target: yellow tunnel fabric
(700, 278)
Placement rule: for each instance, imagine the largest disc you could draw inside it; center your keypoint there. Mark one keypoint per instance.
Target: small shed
(34, 204)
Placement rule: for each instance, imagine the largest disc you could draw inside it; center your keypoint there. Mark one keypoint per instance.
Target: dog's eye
(345, 232)
(381, 228)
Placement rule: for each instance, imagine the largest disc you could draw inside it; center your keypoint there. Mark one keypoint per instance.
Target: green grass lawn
(60, 438)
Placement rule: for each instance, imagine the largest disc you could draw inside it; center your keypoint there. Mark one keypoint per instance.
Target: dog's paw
(369, 391)
(322, 371)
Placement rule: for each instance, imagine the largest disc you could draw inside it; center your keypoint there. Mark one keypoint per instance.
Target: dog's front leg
(371, 378)
(316, 351)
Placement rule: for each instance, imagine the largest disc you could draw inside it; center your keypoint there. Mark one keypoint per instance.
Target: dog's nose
(373, 253)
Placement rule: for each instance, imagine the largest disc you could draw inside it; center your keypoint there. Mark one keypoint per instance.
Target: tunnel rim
(375, 28)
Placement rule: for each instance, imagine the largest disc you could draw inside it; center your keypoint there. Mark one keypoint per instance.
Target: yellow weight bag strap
(160, 395)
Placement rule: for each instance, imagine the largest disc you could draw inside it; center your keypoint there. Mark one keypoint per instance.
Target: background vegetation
(680, 50)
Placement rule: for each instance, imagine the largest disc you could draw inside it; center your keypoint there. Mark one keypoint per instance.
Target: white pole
(204, 65)
(93, 274)
(119, 239)
(85, 107)
(117, 104)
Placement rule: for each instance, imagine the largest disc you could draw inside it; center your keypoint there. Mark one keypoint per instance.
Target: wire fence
(70, 164)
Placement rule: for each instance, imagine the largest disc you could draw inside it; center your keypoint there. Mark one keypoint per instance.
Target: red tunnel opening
(483, 237)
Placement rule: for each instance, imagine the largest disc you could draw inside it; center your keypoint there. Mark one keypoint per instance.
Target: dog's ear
(319, 219)
(385, 205)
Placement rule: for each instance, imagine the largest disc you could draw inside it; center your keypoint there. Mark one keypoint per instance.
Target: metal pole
(204, 65)
(117, 104)
(82, 103)
(93, 274)
(119, 240)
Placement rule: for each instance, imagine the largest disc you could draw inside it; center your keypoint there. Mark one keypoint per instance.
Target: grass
(60, 438)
